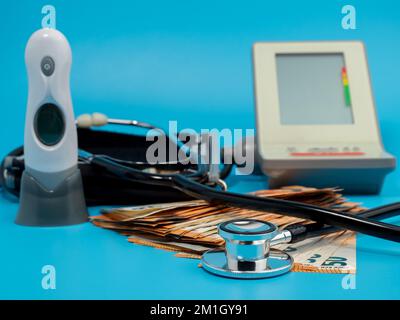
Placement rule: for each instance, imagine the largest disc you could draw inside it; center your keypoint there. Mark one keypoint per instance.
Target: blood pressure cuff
(100, 187)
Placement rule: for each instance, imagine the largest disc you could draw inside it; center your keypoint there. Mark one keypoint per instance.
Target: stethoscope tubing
(383, 212)
(200, 191)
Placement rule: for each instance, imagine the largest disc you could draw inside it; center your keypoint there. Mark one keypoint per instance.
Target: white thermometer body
(51, 185)
(50, 132)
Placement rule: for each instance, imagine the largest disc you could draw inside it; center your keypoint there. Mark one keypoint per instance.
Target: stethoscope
(247, 252)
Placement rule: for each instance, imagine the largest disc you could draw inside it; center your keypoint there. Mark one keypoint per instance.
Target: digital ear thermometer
(316, 119)
(51, 187)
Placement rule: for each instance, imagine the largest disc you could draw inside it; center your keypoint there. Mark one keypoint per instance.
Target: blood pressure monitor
(315, 116)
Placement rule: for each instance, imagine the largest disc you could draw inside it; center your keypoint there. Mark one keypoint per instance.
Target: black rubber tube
(290, 208)
(313, 230)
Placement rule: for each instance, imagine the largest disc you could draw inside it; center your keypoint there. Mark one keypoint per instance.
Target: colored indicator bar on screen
(346, 88)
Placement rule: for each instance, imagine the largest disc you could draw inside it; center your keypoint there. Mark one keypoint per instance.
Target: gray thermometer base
(65, 205)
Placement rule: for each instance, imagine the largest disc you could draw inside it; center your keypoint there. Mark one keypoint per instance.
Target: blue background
(188, 61)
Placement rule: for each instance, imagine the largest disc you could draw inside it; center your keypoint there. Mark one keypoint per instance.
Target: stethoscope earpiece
(96, 119)
(247, 253)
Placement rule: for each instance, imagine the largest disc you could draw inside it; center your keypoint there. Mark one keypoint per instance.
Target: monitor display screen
(313, 89)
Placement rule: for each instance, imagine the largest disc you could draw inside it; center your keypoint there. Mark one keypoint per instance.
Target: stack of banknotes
(190, 228)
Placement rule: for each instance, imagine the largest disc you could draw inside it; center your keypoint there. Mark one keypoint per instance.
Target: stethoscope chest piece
(247, 253)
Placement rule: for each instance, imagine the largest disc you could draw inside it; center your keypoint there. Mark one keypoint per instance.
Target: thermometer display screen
(313, 89)
(49, 124)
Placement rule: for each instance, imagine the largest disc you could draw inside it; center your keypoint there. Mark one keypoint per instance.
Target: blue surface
(188, 61)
